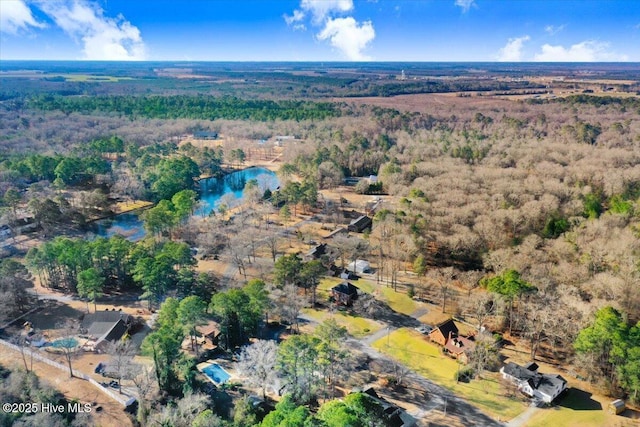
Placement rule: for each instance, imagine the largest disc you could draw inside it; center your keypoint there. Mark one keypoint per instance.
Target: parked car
(424, 329)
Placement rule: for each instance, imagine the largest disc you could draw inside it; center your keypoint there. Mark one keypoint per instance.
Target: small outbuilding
(616, 407)
(359, 266)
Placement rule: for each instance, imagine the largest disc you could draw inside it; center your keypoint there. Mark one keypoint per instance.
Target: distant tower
(402, 76)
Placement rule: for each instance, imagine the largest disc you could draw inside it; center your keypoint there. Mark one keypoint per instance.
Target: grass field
(398, 301)
(356, 326)
(121, 207)
(91, 78)
(579, 409)
(412, 349)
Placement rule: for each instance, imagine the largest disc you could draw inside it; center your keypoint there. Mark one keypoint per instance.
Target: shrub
(411, 292)
(555, 226)
(464, 375)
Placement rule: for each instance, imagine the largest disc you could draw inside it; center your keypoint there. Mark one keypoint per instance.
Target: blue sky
(321, 30)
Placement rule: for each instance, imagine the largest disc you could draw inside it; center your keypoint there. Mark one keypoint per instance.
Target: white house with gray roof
(544, 387)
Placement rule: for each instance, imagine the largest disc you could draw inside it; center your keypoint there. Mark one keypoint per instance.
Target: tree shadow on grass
(367, 306)
(579, 400)
(52, 315)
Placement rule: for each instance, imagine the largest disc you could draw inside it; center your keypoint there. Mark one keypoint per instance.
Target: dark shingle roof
(360, 223)
(109, 325)
(517, 371)
(346, 288)
(205, 134)
(548, 384)
(446, 327)
(317, 251)
(545, 383)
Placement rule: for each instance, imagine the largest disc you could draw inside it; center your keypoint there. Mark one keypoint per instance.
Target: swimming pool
(65, 343)
(216, 373)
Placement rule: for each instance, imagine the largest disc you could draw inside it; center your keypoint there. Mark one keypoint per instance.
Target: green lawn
(414, 351)
(398, 301)
(356, 326)
(578, 409)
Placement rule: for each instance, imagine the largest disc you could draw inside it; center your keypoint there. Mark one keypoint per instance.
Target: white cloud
(15, 15)
(552, 30)
(297, 16)
(465, 4)
(512, 51)
(342, 32)
(586, 51)
(346, 35)
(103, 38)
(320, 9)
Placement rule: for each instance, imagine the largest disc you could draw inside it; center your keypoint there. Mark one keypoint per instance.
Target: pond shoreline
(211, 190)
(147, 205)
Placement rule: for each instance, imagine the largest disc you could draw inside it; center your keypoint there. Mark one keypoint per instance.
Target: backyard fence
(37, 356)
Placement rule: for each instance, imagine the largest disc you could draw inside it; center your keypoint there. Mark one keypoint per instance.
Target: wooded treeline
(191, 107)
(479, 186)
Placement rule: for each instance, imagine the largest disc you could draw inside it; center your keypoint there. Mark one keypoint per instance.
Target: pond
(212, 190)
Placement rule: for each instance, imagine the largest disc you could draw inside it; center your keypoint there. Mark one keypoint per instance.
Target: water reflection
(212, 190)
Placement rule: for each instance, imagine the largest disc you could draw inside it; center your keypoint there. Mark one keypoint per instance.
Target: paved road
(523, 417)
(468, 414)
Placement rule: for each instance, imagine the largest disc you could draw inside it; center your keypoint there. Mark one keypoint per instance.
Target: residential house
(360, 224)
(209, 331)
(447, 335)
(345, 293)
(544, 387)
(339, 230)
(206, 135)
(460, 347)
(443, 331)
(316, 252)
(105, 326)
(395, 416)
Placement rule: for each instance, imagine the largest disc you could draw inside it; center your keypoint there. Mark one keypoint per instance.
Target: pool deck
(224, 364)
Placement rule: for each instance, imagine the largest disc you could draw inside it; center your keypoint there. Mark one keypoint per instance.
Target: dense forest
(518, 215)
(191, 107)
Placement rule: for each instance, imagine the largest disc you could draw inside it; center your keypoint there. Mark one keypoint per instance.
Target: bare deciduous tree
(67, 343)
(257, 363)
(122, 353)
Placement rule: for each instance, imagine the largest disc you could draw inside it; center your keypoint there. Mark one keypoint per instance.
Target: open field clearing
(582, 409)
(357, 326)
(413, 350)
